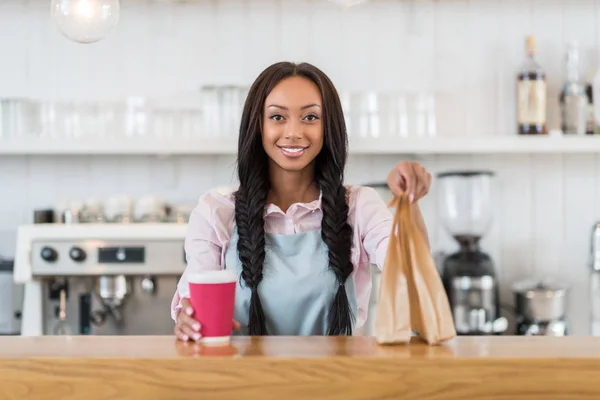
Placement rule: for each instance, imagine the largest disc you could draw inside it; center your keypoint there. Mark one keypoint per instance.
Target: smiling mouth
(292, 151)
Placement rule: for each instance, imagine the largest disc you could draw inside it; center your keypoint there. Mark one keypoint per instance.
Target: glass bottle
(531, 94)
(596, 104)
(589, 129)
(573, 98)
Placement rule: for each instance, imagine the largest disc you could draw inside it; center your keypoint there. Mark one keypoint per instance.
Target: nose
(293, 130)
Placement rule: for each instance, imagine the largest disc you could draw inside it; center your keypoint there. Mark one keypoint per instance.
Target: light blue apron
(297, 288)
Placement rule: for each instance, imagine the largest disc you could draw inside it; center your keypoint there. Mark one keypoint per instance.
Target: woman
(301, 242)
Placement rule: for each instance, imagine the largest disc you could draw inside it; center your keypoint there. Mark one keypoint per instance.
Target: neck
(289, 187)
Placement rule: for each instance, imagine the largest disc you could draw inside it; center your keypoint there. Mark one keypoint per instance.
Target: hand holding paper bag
(411, 295)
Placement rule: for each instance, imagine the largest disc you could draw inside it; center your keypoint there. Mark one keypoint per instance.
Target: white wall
(464, 51)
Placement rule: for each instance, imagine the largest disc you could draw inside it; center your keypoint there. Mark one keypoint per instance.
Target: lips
(293, 151)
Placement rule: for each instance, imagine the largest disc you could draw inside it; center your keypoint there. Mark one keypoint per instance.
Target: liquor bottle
(573, 98)
(596, 102)
(589, 128)
(531, 94)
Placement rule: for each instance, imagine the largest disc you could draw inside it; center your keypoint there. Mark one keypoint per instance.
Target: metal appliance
(594, 281)
(11, 300)
(115, 279)
(541, 308)
(468, 274)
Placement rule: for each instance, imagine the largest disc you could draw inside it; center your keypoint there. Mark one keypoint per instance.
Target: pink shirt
(212, 222)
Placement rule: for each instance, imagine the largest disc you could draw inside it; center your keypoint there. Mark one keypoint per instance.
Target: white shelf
(505, 144)
(358, 145)
(128, 146)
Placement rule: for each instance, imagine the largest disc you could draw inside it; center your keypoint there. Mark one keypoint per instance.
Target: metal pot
(540, 301)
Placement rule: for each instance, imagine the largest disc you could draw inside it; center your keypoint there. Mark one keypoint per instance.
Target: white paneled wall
(465, 52)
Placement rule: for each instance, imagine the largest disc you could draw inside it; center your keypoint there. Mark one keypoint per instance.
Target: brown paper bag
(411, 294)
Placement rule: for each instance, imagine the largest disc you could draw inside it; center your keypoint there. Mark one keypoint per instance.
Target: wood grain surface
(485, 368)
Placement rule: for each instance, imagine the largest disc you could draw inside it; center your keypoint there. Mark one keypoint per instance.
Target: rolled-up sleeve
(375, 220)
(203, 249)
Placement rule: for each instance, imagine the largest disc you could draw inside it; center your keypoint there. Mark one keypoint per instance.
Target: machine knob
(77, 254)
(49, 254)
(149, 284)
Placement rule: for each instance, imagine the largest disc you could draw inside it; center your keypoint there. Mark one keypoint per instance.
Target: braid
(249, 207)
(337, 235)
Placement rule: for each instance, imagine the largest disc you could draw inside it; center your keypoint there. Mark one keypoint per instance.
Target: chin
(293, 166)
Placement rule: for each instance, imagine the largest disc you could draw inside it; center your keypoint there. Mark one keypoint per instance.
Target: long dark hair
(251, 197)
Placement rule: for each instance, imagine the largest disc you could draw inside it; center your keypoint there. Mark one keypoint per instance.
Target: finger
(180, 335)
(189, 330)
(423, 181)
(186, 307)
(236, 325)
(421, 191)
(408, 173)
(184, 319)
(189, 326)
(393, 184)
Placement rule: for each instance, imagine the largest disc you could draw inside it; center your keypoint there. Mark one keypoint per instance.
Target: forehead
(295, 91)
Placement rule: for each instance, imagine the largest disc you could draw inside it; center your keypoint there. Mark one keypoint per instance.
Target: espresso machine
(468, 274)
(99, 279)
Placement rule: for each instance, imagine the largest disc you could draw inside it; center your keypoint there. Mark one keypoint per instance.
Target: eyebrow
(302, 108)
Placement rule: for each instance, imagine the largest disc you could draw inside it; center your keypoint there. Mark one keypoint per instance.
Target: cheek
(316, 136)
(271, 133)
(268, 133)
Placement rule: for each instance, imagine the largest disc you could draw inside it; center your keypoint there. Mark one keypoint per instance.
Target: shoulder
(367, 208)
(214, 202)
(363, 196)
(215, 209)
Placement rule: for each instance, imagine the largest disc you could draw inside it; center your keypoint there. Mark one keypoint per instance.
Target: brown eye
(276, 117)
(311, 117)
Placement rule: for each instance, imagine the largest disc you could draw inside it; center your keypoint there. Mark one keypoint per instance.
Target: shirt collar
(311, 206)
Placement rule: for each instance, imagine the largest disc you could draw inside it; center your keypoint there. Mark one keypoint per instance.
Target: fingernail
(196, 336)
(185, 337)
(188, 311)
(411, 197)
(196, 326)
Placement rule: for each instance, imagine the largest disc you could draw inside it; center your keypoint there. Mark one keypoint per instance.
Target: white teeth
(295, 150)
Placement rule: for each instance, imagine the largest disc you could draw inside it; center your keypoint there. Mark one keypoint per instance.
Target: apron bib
(297, 288)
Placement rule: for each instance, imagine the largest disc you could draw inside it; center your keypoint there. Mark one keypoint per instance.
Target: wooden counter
(148, 367)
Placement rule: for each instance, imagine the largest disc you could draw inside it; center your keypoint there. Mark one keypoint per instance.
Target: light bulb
(85, 21)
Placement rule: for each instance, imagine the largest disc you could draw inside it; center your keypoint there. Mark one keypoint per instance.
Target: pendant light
(85, 21)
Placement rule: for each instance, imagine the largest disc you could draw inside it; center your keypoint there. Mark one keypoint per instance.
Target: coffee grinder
(468, 274)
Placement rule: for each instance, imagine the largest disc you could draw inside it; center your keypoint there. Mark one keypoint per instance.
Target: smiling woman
(291, 98)
(300, 241)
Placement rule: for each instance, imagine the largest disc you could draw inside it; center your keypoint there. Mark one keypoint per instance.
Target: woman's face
(292, 131)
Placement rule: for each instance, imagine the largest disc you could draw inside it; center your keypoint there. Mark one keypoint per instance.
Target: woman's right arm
(203, 249)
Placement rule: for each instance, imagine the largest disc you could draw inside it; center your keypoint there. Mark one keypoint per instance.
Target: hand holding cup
(204, 316)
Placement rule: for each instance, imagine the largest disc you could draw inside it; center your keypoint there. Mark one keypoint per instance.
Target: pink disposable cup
(212, 295)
